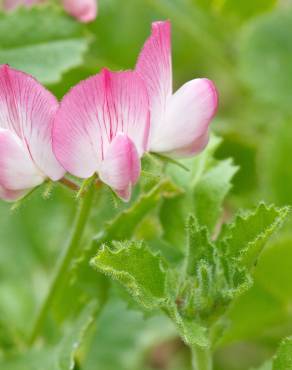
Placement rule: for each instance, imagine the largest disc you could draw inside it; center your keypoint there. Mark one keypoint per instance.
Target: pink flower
(83, 10)
(102, 126)
(27, 111)
(179, 121)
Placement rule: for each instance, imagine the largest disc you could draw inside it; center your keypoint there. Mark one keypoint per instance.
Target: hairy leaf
(134, 266)
(245, 238)
(199, 246)
(283, 358)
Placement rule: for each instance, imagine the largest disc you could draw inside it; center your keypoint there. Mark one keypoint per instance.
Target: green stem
(74, 241)
(201, 358)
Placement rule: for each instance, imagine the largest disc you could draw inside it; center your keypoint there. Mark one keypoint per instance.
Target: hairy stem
(201, 358)
(74, 241)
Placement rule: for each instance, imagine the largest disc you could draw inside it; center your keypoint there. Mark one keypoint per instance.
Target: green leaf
(23, 234)
(59, 357)
(124, 337)
(283, 358)
(144, 276)
(137, 268)
(84, 282)
(265, 50)
(264, 311)
(245, 238)
(205, 186)
(192, 333)
(274, 270)
(42, 42)
(199, 246)
(210, 279)
(255, 314)
(123, 226)
(210, 192)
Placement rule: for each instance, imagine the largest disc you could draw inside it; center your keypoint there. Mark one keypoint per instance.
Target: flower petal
(83, 10)
(28, 110)
(17, 170)
(11, 195)
(121, 166)
(154, 66)
(185, 127)
(91, 115)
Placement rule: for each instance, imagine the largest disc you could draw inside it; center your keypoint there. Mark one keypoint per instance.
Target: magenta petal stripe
(154, 65)
(91, 116)
(28, 110)
(179, 121)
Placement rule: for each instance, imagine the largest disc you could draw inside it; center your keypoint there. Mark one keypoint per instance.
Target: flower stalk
(61, 271)
(201, 358)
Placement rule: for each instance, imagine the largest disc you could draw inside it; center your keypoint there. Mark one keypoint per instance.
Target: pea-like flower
(179, 121)
(27, 112)
(102, 126)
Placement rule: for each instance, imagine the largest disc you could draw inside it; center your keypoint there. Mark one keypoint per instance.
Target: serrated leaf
(245, 238)
(137, 269)
(42, 42)
(60, 356)
(192, 333)
(199, 246)
(283, 357)
(83, 281)
(146, 278)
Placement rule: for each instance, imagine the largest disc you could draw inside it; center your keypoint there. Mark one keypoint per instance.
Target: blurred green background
(245, 47)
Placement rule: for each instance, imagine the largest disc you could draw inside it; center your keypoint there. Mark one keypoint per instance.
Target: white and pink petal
(28, 110)
(11, 195)
(17, 170)
(155, 67)
(121, 166)
(184, 130)
(91, 115)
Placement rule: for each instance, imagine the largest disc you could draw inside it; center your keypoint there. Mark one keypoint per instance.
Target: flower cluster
(83, 10)
(103, 125)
